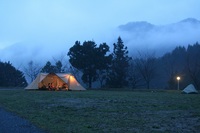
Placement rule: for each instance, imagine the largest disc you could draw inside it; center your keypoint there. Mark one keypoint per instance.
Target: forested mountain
(183, 62)
(144, 36)
(143, 26)
(145, 70)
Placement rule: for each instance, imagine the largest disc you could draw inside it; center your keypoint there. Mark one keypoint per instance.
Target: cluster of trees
(118, 70)
(161, 72)
(98, 66)
(33, 69)
(91, 60)
(183, 62)
(10, 76)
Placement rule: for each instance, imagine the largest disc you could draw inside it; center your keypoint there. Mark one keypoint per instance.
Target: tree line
(98, 66)
(117, 69)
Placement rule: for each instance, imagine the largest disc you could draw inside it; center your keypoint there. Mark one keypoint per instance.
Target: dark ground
(11, 123)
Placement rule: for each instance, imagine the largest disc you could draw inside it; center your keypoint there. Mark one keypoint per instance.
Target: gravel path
(10, 123)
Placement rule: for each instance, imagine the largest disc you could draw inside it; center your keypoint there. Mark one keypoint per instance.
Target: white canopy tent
(56, 81)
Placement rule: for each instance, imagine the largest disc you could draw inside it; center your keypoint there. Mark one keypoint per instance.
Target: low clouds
(138, 36)
(142, 36)
(38, 30)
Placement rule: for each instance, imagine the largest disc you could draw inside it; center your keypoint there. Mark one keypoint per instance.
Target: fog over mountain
(139, 36)
(19, 54)
(143, 36)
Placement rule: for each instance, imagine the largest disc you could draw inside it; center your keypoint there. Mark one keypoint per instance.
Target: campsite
(106, 111)
(93, 66)
(100, 91)
(55, 81)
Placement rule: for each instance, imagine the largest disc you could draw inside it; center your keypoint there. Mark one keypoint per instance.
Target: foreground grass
(105, 111)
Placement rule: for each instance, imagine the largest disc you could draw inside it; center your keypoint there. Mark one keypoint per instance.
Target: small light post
(178, 79)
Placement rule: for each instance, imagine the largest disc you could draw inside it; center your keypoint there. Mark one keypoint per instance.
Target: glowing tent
(55, 81)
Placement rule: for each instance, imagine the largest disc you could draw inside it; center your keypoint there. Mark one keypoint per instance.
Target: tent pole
(69, 82)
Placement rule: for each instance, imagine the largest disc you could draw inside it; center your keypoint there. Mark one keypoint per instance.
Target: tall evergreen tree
(120, 63)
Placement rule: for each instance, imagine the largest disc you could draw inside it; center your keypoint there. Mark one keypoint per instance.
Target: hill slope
(142, 35)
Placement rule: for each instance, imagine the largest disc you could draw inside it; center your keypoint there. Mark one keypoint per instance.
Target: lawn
(106, 111)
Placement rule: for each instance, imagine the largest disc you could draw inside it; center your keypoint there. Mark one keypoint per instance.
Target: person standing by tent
(50, 86)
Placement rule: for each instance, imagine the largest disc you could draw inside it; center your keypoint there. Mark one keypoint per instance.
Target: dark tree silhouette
(49, 68)
(147, 68)
(32, 70)
(10, 76)
(193, 64)
(174, 65)
(58, 67)
(88, 58)
(134, 75)
(119, 68)
(104, 66)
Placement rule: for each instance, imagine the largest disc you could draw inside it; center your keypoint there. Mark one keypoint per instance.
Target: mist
(144, 36)
(40, 30)
(139, 36)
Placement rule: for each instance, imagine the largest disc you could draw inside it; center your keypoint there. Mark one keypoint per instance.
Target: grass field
(106, 111)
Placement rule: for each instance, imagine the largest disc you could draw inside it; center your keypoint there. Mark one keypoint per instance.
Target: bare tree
(102, 76)
(134, 75)
(194, 72)
(193, 64)
(32, 70)
(64, 62)
(146, 65)
(169, 68)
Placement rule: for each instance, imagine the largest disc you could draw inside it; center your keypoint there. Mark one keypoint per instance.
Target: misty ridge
(140, 36)
(144, 36)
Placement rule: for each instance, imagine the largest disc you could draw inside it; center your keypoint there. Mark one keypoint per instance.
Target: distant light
(178, 79)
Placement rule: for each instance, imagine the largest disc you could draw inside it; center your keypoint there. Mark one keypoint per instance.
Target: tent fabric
(56, 81)
(190, 89)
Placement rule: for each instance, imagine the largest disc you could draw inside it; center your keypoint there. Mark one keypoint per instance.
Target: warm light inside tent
(59, 82)
(72, 79)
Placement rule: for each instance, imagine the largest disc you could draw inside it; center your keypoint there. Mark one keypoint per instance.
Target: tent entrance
(52, 82)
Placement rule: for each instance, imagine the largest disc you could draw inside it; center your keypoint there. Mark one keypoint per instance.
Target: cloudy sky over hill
(143, 36)
(30, 29)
